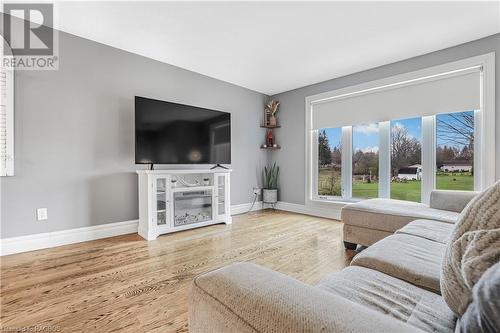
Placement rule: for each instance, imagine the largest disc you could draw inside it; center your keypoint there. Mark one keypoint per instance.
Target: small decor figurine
(271, 109)
(269, 138)
(206, 181)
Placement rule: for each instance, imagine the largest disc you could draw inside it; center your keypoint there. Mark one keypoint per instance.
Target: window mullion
(346, 162)
(428, 157)
(314, 165)
(478, 179)
(384, 155)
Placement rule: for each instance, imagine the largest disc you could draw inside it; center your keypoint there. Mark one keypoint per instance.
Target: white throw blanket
(473, 248)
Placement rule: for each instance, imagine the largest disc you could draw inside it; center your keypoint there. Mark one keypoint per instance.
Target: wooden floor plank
(126, 284)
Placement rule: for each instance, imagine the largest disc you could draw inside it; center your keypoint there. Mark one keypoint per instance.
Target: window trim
(485, 122)
(9, 106)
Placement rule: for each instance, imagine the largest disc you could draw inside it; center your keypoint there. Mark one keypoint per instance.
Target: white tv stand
(174, 200)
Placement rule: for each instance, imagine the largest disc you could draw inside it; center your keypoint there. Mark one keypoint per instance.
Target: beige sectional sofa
(395, 285)
(368, 221)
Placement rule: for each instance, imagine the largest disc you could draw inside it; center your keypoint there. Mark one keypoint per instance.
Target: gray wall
(292, 134)
(74, 135)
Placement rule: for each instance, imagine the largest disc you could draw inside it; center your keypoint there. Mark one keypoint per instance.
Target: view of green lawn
(329, 184)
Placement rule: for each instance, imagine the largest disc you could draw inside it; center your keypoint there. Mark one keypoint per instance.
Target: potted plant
(270, 183)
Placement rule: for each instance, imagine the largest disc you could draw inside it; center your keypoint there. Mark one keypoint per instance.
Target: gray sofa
(368, 221)
(392, 286)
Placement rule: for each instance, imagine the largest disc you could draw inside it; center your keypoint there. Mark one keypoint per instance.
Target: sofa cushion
(413, 259)
(428, 229)
(396, 298)
(363, 236)
(454, 201)
(247, 298)
(391, 215)
(473, 248)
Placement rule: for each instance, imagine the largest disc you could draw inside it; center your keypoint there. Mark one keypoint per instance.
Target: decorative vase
(269, 138)
(270, 196)
(272, 120)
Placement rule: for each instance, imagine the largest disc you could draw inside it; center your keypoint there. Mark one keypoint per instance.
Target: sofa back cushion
(454, 201)
(473, 248)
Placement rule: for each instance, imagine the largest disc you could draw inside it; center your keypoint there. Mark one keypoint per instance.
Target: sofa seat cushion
(391, 215)
(429, 229)
(413, 259)
(391, 296)
(247, 298)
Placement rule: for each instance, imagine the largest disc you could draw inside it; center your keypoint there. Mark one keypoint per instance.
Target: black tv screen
(171, 133)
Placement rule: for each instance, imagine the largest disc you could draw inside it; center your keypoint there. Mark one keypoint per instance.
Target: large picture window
(454, 154)
(403, 136)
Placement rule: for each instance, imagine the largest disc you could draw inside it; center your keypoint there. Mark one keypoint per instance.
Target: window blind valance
(453, 92)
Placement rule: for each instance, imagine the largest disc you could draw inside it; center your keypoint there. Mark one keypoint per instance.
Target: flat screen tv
(171, 133)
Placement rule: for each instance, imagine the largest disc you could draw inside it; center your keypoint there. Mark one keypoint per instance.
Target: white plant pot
(270, 196)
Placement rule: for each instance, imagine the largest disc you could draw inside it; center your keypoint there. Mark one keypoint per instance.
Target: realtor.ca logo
(30, 42)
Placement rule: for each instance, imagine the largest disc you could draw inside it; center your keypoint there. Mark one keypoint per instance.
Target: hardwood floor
(129, 285)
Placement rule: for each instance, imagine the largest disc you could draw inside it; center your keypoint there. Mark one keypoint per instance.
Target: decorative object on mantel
(270, 112)
(270, 122)
(270, 184)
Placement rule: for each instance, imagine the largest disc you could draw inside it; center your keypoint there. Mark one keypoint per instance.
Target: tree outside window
(455, 151)
(330, 162)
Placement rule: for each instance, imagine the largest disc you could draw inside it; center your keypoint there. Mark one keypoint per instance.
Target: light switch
(41, 214)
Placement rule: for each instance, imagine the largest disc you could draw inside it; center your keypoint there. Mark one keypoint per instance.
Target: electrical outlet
(256, 191)
(41, 214)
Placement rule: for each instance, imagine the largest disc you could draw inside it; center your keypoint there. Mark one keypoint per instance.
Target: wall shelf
(270, 128)
(271, 148)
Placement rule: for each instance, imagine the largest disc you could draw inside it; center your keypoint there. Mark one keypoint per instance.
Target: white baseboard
(64, 237)
(243, 208)
(330, 213)
(47, 240)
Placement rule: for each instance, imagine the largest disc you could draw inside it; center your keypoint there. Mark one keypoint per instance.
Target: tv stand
(175, 200)
(218, 166)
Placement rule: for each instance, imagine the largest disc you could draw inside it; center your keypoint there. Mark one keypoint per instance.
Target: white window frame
(8, 170)
(484, 163)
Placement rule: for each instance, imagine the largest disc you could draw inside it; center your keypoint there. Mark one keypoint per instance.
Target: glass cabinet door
(221, 193)
(161, 201)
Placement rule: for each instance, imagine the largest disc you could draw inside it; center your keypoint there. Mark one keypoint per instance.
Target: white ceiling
(273, 47)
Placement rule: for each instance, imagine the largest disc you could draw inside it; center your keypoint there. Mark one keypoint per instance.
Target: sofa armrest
(244, 297)
(454, 201)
